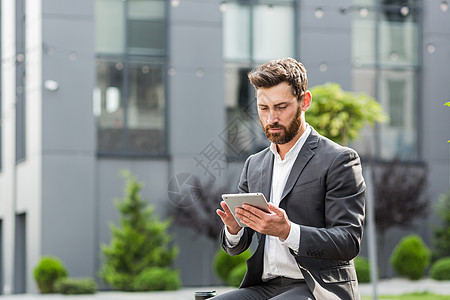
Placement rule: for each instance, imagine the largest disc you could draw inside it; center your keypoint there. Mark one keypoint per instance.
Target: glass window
(236, 32)
(388, 73)
(146, 27)
(274, 32)
(129, 99)
(364, 36)
(109, 107)
(146, 106)
(253, 32)
(399, 34)
(397, 95)
(110, 26)
(364, 82)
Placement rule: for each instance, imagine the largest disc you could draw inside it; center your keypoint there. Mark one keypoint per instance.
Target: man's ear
(306, 101)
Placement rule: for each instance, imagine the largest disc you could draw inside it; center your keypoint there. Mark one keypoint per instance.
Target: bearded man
(308, 239)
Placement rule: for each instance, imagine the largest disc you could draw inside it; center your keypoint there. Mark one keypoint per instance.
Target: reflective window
(253, 33)
(385, 56)
(110, 26)
(129, 98)
(397, 95)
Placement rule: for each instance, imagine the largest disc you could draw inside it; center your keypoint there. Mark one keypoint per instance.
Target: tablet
(236, 200)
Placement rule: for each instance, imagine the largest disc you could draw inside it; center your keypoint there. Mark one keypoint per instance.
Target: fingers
(275, 209)
(227, 218)
(225, 207)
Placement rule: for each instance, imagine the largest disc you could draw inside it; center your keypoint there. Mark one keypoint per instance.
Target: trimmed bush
(236, 275)
(47, 272)
(76, 286)
(362, 268)
(141, 240)
(440, 270)
(157, 279)
(224, 263)
(411, 257)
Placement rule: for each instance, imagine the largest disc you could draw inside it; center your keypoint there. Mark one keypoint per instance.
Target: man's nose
(272, 117)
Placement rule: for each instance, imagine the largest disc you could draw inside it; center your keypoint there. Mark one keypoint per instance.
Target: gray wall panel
(68, 211)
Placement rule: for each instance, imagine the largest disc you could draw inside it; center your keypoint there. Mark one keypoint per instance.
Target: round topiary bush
(411, 257)
(157, 279)
(76, 286)
(224, 263)
(440, 270)
(47, 272)
(362, 268)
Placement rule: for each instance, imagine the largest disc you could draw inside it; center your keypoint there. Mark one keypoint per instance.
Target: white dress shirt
(278, 261)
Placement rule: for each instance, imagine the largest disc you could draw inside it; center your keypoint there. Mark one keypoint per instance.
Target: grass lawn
(412, 296)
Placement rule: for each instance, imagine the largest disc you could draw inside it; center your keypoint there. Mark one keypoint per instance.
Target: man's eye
(281, 107)
(263, 108)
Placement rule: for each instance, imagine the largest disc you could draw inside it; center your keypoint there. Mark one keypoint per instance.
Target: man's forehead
(264, 98)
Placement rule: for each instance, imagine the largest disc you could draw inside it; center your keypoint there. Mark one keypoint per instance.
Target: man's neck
(283, 149)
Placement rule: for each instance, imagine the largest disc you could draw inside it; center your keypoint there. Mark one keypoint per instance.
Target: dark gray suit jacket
(325, 195)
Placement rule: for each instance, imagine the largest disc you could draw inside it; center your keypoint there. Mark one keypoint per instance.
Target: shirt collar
(293, 152)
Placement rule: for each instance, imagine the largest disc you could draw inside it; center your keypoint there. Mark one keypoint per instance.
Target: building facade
(91, 88)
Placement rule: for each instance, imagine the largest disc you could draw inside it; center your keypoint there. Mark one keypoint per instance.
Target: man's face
(279, 113)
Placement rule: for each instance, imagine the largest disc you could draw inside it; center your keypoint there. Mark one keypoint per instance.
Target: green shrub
(440, 270)
(236, 275)
(411, 257)
(157, 279)
(362, 268)
(141, 240)
(47, 272)
(72, 286)
(224, 263)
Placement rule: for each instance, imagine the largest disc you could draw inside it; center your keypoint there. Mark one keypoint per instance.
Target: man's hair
(281, 70)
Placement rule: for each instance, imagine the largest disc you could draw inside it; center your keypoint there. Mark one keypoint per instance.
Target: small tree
(141, 241)
(340, 115)
(207, 223)
(399, 190)
(441, 232)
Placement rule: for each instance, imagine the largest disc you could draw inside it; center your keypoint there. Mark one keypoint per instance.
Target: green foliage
(157, 279)
(141, 241)
(362, 268)
(236, 275)
(411, 257)
(440, 270)
(76, 286)
(340, 115)
(47, 272)
(224, 263)
(441, 232)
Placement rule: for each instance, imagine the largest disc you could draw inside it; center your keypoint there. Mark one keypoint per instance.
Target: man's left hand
(275, 223)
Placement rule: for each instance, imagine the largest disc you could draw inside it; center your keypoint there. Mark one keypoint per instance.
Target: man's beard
(287, 134)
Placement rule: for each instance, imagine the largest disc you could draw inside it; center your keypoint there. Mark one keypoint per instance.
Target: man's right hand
(228, 219)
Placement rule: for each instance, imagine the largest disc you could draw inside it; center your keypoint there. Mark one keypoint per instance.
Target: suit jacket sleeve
(246, 238)
(340, 239)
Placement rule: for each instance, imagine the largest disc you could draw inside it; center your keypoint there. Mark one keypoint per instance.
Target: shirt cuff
(233, 239)
(293, 239)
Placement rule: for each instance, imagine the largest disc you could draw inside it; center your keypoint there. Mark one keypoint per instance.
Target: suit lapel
(305, 154)
(266, 175)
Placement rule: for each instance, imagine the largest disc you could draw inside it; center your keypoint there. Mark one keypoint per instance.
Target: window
(385, 56)
(253, 33)
(129, 98)
(20, 80)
